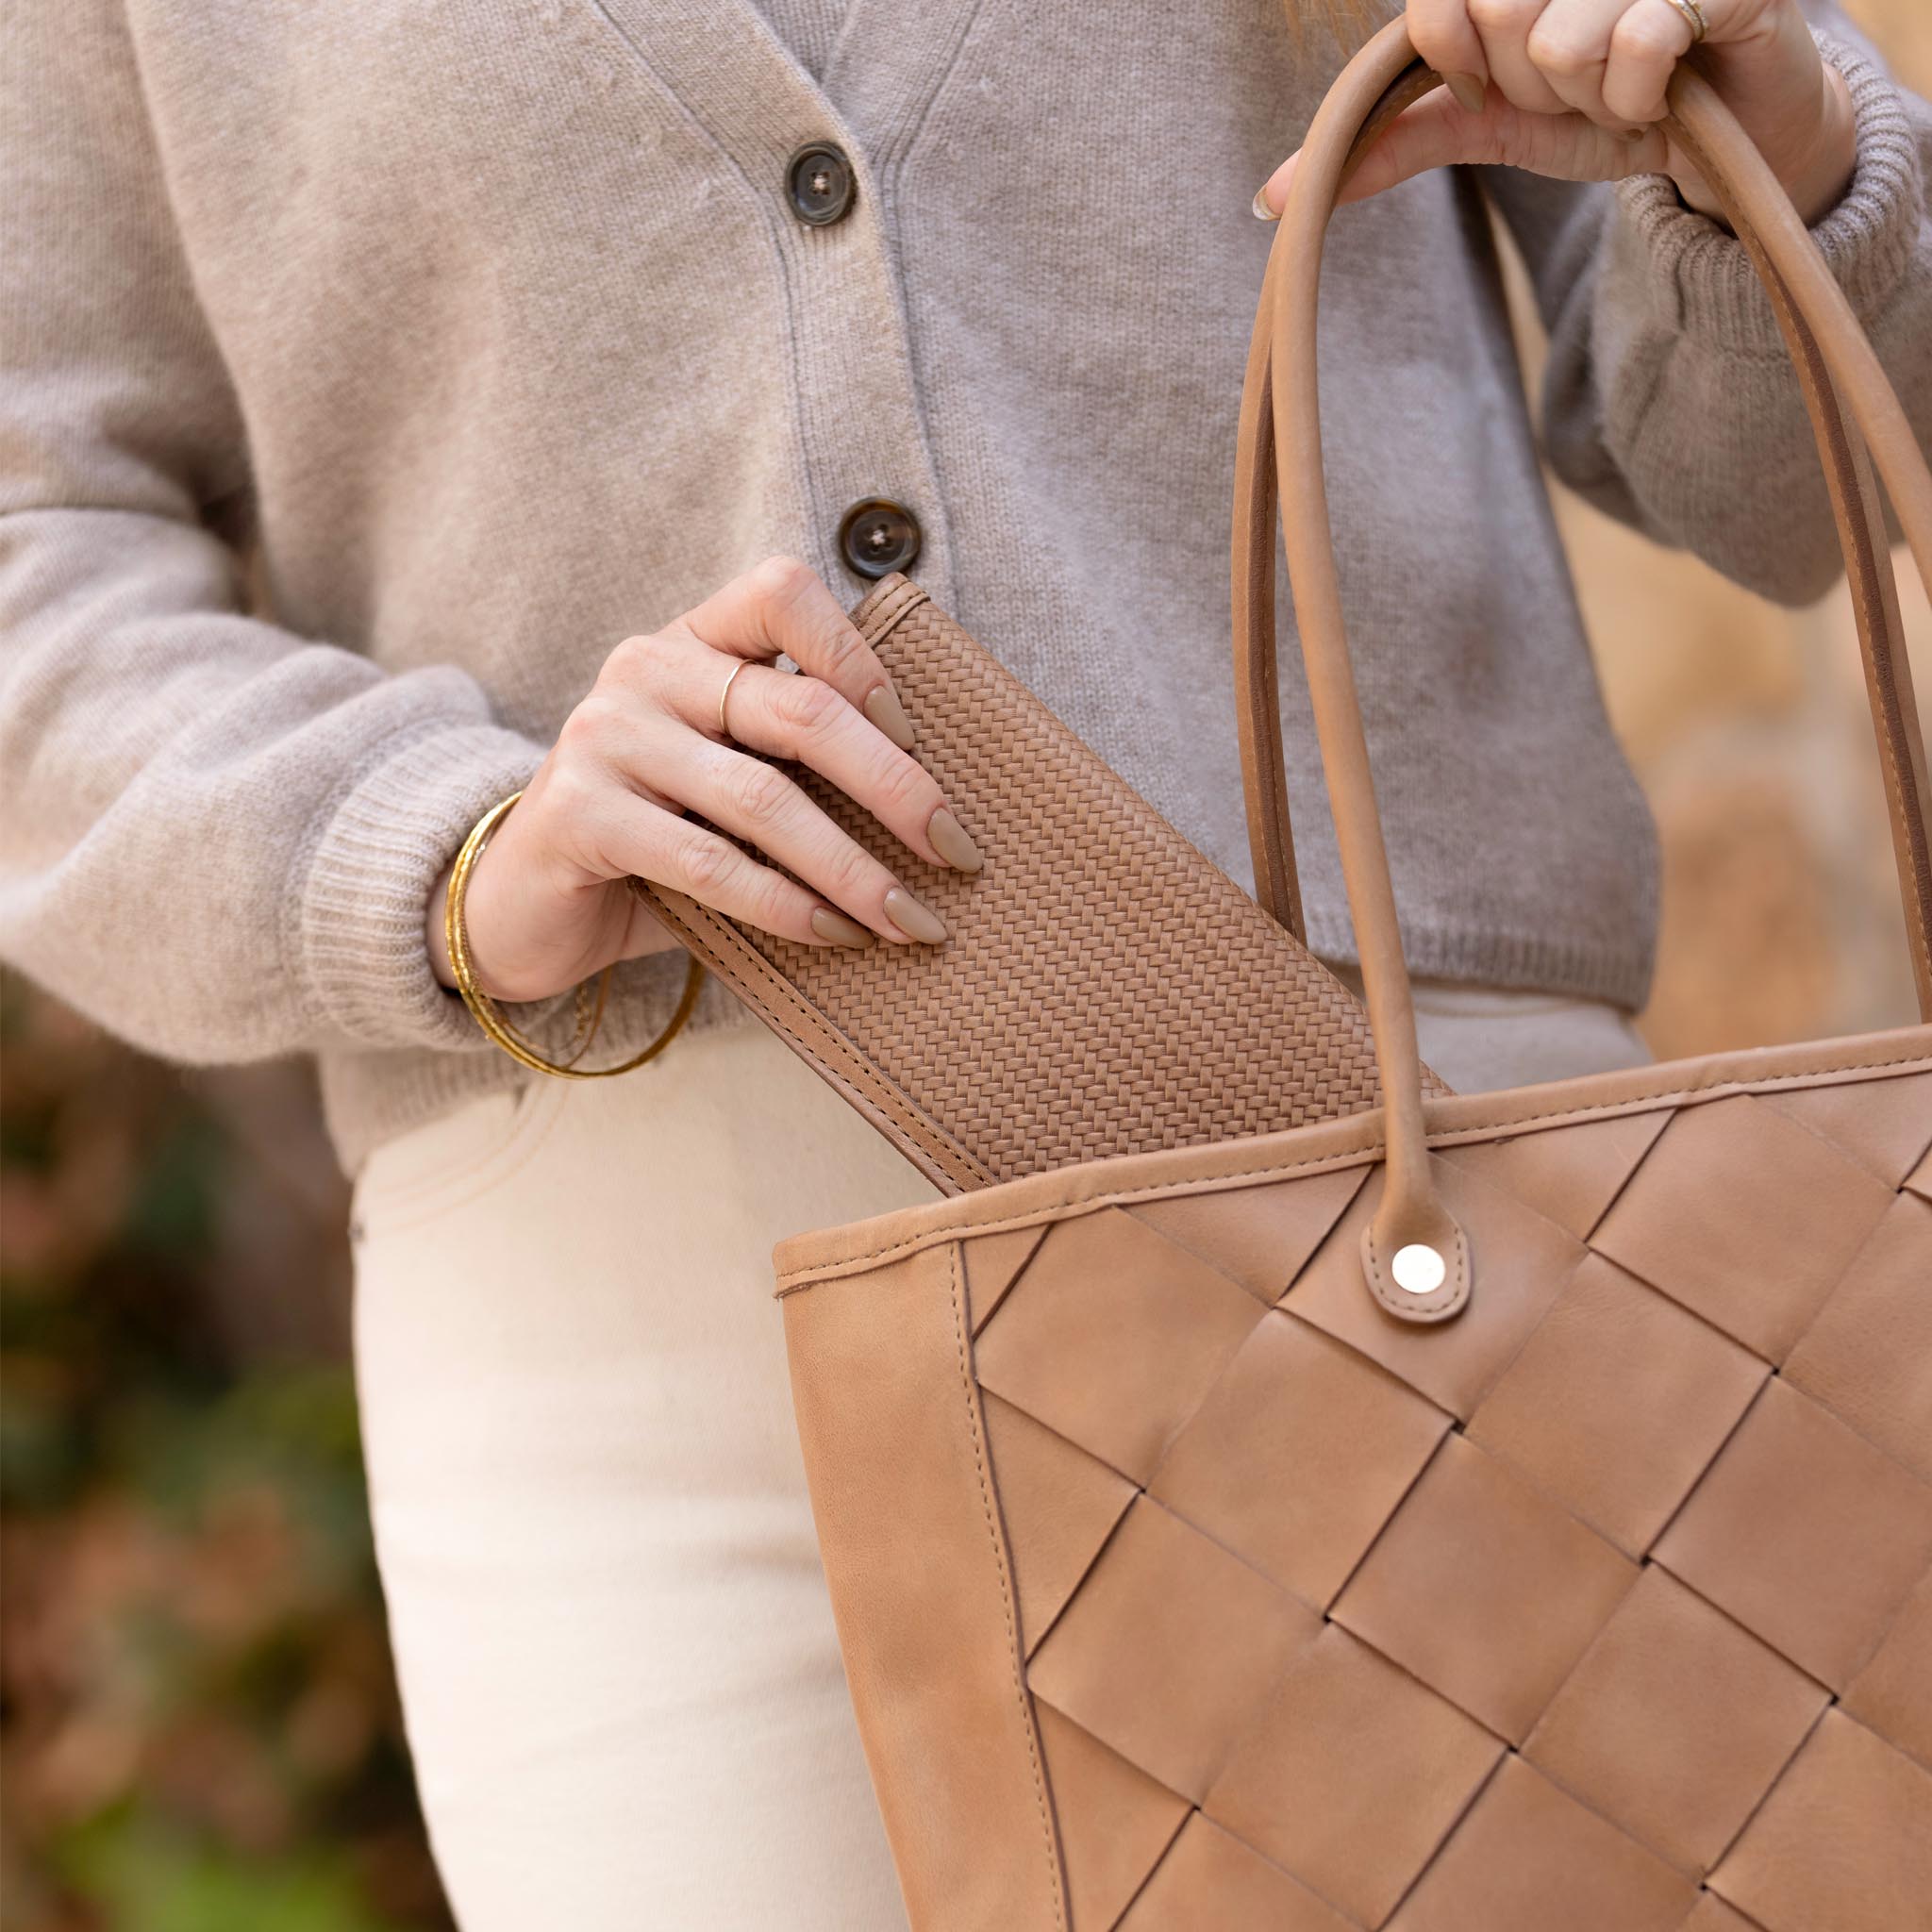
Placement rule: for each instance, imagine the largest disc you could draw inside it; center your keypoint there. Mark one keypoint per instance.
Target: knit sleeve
(1668, 400)
(216, 837)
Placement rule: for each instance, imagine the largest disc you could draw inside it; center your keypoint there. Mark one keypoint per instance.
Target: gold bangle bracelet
(489, 1016)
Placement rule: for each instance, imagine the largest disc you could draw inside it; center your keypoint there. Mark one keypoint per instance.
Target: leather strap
(1280, 411)
(1258, 706)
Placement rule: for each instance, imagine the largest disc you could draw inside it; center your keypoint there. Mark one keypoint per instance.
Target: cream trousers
(617, 1659)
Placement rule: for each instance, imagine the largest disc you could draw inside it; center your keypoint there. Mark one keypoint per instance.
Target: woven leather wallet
(1105, 990)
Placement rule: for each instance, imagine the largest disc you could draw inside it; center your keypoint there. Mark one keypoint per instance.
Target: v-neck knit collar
(809, 28)
(735, 64)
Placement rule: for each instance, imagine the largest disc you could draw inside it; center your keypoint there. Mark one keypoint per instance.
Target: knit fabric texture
(368, 371)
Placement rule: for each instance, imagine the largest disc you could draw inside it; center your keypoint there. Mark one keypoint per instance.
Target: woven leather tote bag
(1503, 1514)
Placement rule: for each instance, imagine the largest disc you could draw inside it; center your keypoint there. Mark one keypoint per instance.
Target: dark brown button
(821, 185)
(878, 537)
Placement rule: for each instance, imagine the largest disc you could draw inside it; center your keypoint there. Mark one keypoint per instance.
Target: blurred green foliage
(199, 1731)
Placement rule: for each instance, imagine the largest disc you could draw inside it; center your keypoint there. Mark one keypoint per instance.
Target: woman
(496, 336)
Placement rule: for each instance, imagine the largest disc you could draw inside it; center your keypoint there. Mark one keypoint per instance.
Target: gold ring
(1694, 18)
(723, 696)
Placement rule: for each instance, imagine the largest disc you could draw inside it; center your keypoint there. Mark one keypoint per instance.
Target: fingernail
(838, 929)
(1262, 212)
(915, 921)
(1472, 92)
(885, 710)
(1636, 135)
(950, 841)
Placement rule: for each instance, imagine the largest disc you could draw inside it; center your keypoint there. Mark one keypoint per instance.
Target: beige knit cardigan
(368, 369)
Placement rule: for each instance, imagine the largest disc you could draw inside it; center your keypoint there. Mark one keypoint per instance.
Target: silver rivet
(1418, 1269)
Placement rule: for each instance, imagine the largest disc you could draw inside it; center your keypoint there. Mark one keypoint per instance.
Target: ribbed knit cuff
(362, 955)
(1868, 239)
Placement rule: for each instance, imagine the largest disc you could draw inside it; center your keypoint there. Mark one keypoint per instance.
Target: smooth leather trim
(807, 1260)
(818, 1043)
(932, 1648)
(880, 610)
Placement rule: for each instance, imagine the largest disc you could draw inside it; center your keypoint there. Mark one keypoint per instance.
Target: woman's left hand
(1575, 89)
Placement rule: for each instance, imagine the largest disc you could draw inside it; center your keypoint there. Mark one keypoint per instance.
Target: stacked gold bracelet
(590, 1003)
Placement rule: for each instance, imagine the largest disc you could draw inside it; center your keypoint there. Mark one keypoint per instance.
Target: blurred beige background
(1749, 728)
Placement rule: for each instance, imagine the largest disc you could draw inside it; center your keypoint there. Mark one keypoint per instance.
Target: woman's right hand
(547, 904)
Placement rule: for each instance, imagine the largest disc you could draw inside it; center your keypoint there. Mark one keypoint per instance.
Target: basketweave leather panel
(1616, 1614)
(1920, 1180)
(980, 1056)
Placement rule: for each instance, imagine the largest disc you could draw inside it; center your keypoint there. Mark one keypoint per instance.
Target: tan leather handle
(1280, 411)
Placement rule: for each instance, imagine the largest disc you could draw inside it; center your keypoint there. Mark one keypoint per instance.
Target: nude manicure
(949, 840)
(838, 929)
(915, 921)
(1472, 92)
(885, 710)
(1262, 212)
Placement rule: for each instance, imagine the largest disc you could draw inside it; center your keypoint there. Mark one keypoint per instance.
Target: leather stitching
(886, 610)
(946, 1164)
(975, 1432)
(862, 1260)
(853, 1075)
(1418, 1312)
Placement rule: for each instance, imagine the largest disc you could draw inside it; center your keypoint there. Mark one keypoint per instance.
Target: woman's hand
(1574, 89)
(547, 906)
